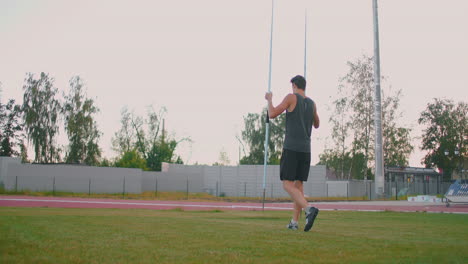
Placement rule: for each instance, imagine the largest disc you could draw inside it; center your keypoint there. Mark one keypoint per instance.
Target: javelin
(267, 128)
(305, 45)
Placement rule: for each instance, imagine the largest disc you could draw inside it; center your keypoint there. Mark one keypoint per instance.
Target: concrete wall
(351, 188)
(243, 180)
(315, 186)
(4, 163)
(72, 178)
(240, 181)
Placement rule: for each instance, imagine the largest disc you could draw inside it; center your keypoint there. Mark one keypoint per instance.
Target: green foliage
(105, 163)
(162, 152)
(179, 160)
(347, 166)
(124, 140)
(446, 129)
(253, 136)
(353, 133)
(338, 162)
(41, 115)
(131, 159)
(10, 129)
(223, 159)
(148, 137)
(80, 125)
(396, 140)
(360, 82)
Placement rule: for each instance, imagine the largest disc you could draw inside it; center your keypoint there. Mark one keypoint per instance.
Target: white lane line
(149, 204)
(214, 206)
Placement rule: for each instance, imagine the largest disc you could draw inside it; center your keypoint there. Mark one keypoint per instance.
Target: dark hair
(299, 81)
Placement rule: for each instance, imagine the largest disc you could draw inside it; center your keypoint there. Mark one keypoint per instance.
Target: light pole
(379, 160)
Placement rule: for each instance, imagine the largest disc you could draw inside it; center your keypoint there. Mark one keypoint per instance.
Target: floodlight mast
(379, 163)
(267, 120)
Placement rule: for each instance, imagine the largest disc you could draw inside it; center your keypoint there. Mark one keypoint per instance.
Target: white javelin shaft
(267, 132)
(305, 46)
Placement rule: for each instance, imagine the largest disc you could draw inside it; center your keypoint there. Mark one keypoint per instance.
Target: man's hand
(268, 96)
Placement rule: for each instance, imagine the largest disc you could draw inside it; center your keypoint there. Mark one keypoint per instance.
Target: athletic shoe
(292, 226)
(310, 215)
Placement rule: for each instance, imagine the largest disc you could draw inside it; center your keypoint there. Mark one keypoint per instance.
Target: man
(301, 115)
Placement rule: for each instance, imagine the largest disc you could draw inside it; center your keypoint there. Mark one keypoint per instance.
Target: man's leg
(301, 202)
(297, 208)
(295, 194)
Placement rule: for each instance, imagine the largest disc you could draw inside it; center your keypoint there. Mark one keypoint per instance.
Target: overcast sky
(207, 61)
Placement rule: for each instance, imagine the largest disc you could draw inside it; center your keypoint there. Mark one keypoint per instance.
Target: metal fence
(399, 189)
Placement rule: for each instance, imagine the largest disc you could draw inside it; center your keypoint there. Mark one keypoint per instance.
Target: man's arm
(285, 104)
(316, 117)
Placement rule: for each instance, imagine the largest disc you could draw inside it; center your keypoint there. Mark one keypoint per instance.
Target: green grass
(57, 235)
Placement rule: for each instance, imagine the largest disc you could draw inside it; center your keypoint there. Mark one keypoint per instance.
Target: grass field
(56, 235)
(172, 196)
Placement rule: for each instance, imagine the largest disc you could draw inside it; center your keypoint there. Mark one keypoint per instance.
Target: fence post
(370, 191)
(187, 187)
(271, 190)
(89, 187)
(424, 185)
(53, 187)
(16, 184)
(123, 192)
(367, 194)
(156, 187)
(396, 189)
(245, 189)
(347, 190)
(216, 188)
(221, 181)
(327, 189)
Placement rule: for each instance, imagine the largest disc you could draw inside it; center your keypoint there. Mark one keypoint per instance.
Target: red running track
(62, 202)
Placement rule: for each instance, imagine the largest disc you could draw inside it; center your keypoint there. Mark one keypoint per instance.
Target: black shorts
(294, 165)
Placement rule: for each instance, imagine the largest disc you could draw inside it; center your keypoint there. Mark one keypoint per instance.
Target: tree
(253, 136)
(41, 115)
(340, 159)
(124, 139)
(346, 166)
(11, 130)
(81, 128)
(223, 159)
(131, 159)
(353, 125)
(446, 129)
(148, 137)
(163, 151)
(396, 140)
(336, 161)
(360, 81)
(105, 163)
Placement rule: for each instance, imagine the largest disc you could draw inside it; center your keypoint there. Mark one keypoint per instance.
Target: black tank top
(299, 125)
